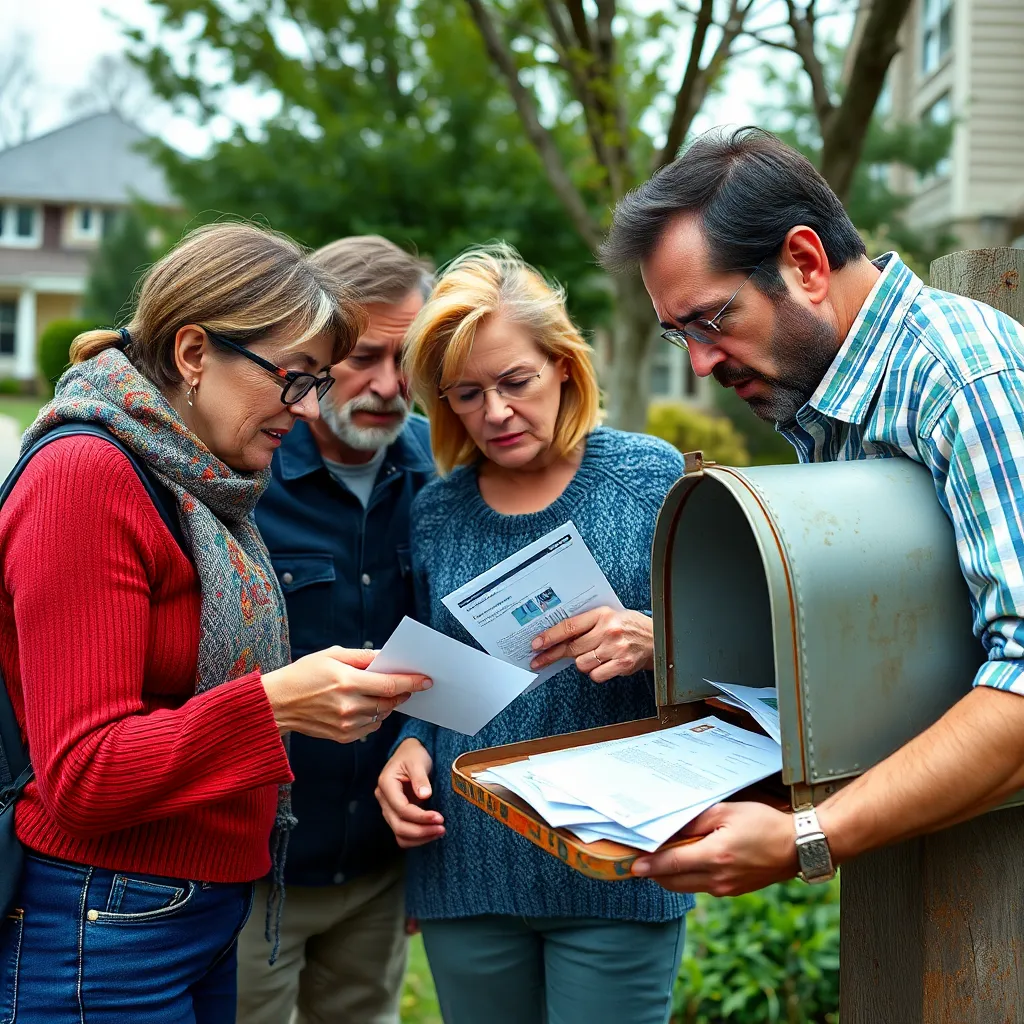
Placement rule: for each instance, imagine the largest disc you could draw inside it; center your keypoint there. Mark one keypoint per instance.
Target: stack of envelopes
(643, 789)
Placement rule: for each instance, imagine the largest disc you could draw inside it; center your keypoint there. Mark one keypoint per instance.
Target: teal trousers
(551, 970)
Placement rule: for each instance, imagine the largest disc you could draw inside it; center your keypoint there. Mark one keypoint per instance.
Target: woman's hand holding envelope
(605, 642)
(403, 785)
(330, 695)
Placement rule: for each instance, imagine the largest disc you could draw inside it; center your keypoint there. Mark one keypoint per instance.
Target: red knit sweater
(99, 636)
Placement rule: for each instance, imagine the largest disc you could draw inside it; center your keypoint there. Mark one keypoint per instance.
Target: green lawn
(21, 409)
(419, 1003)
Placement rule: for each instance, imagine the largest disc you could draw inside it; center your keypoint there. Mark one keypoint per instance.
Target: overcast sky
(65, 38)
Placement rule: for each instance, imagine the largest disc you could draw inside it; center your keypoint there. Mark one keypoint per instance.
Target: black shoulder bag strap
(15, 769)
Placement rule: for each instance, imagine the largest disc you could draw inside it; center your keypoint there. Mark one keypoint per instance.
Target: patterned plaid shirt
(940, 379)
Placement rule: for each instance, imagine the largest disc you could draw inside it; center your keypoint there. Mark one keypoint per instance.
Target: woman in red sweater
(152, 681)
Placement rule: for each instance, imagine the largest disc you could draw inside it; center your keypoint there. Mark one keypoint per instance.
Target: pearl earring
(192, 392)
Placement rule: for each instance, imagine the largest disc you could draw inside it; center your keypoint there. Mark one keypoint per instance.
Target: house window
(86, 224)
(940, 112)
(26, 221)
(108, 221)
(937, 33)
(20, 225)
(8, 323)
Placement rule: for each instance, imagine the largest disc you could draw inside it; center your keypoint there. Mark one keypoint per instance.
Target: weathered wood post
(932, 930)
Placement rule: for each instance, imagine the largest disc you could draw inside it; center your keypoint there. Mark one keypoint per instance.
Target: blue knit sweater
(481, 867)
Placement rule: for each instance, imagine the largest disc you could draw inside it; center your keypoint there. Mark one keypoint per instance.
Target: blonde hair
(239, 280)
(374, 269)
(484, 282)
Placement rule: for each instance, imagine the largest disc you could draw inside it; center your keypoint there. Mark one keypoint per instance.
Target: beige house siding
(56, 307)
(979, 197)
(995, 114)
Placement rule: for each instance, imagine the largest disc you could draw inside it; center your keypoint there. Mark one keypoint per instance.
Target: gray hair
(372, 269)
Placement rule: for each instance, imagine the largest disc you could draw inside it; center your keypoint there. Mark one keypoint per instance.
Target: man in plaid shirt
(755, 268)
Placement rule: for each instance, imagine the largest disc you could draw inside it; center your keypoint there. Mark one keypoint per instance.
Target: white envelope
(470, 687)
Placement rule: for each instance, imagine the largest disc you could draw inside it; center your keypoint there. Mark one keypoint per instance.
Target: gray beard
(363, 439)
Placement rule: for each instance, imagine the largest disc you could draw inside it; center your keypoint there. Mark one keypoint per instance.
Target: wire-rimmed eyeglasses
(467, 398)
(702, 330)
(295, 384)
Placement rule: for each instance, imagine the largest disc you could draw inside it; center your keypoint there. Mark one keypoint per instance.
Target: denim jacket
(346, 574)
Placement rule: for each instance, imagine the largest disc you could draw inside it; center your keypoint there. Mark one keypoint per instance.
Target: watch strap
(812, 848)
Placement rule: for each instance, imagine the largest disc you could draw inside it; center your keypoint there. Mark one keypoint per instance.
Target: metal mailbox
(836, 582)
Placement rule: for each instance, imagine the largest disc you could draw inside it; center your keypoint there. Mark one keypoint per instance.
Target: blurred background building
(961, 61)
(60, 194)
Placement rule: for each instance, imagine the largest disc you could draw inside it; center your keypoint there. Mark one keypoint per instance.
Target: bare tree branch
(580, 26)
(844, 133)
(539, 136)
(614, 100)
(683, 109)
(580, 81)
(802, 24)
(697, 80)
(605, 48)
(760, 40)
(592, 56)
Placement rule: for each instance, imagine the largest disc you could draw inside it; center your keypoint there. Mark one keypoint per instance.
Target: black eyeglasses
(702, 330)
(295, 385)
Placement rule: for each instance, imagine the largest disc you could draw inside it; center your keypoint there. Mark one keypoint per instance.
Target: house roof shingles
(93, 160)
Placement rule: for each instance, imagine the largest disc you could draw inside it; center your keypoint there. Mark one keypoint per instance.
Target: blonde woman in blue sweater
(513, 936)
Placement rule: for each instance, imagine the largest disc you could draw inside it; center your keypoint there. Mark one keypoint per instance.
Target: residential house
(963, 60)
(59, 194)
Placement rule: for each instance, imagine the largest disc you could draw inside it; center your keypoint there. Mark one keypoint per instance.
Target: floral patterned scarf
(243, 626)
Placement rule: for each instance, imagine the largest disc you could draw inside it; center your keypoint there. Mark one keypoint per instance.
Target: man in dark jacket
(336, 521)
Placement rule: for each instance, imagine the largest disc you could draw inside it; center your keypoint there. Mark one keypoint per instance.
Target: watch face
(814, 857)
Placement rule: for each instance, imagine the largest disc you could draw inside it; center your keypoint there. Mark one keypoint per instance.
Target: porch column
(25, 336)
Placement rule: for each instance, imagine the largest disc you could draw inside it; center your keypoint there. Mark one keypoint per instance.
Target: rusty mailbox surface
(836, 582)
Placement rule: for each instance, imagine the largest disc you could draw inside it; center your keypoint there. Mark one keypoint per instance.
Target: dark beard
(803, 346)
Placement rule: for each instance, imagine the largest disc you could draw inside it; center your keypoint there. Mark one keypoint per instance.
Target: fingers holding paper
(745, 846)
(605, 642)
(330, 695)
(402, 787)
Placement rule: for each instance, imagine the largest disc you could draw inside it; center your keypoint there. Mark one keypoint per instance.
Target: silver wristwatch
(812, 848)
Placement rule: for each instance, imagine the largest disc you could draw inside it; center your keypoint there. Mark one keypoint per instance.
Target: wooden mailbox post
(932, 930)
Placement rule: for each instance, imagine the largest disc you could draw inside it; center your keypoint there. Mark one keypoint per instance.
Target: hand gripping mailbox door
(836, 582)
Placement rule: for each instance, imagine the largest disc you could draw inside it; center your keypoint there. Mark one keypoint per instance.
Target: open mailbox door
(838, 583)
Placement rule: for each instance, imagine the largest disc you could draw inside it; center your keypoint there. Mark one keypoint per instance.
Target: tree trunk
(844, 128)
(627, 382)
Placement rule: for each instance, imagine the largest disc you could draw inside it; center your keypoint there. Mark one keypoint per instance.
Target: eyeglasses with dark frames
(295, 384)
(702, 330)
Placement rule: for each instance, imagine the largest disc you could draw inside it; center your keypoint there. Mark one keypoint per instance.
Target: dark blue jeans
(91, 945)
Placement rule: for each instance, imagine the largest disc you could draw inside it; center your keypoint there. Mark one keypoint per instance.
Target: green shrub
(11, 386)
(766, 445)
(691, 430)
(769, 956)
(55, 344)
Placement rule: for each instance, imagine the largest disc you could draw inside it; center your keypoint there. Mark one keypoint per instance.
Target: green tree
(872, 203)
(391, 122)
(396, 116)
(607, 65)
(114, 272)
